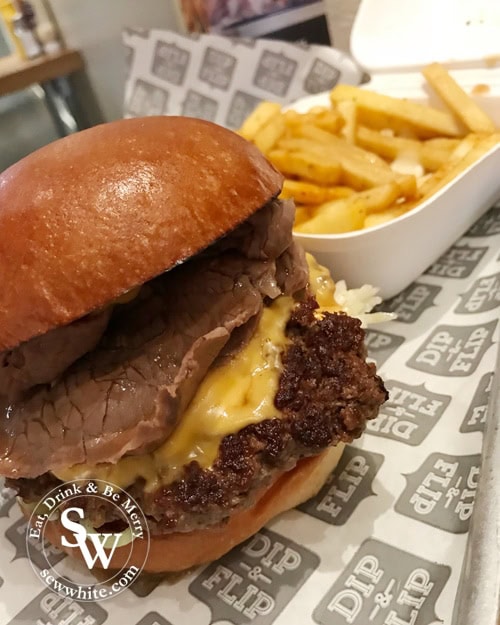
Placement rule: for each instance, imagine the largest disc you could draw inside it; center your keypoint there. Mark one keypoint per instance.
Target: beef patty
(327, 391)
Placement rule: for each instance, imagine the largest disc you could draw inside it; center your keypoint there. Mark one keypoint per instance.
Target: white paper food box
(466, 40)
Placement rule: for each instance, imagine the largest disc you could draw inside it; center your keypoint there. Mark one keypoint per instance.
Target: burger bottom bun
(180, 551)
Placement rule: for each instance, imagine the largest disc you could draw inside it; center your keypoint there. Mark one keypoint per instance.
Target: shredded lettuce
(360, 302)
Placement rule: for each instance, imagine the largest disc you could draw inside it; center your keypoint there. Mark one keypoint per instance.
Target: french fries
(262, 115)
(265, 126)
(309, 167)
(336, 217)
(311, 194)
(457, 100)
(348, 111)
(431, 154)
(377, 219)
(328, 119)
(452, 169)
(369, 158)
(423, 119)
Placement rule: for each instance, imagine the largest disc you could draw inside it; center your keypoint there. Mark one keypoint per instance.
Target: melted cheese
(321, 285)
(230, 397)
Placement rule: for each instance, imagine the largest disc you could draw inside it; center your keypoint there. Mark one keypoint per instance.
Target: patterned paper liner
(222, 79)
(383, 541)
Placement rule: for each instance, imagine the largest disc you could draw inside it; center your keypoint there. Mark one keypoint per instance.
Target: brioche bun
(87, 219)
(91, 216)
(181, 551)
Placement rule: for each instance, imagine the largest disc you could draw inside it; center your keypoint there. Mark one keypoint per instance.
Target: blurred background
(91, 88)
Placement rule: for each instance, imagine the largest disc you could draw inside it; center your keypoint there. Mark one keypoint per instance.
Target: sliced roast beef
(45, 357)
(125, 395)
(292, 271)
(326, 393)
(265, 235)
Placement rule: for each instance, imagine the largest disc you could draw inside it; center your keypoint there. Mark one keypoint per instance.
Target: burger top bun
(88, 217)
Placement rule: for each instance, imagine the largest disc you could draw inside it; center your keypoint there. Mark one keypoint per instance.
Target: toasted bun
(88, 217)
(177, 552)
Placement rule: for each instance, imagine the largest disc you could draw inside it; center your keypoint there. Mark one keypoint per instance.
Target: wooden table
(51, 72)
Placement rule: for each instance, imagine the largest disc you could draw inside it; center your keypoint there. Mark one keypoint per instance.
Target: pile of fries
(369, 158)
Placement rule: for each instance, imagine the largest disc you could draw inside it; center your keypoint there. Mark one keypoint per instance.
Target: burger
(160, 330)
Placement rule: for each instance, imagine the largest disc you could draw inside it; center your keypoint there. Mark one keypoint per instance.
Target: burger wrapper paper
(383, 542)
(223, 79)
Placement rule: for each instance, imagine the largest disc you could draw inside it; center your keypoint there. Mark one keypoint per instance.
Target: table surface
(17, 73)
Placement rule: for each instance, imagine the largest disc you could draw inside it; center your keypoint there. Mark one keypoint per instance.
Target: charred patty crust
(327, 391)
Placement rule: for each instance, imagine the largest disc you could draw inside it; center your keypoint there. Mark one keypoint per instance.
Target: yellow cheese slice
(230, 397)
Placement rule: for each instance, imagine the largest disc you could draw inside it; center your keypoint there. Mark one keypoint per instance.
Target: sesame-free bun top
(90, 216)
